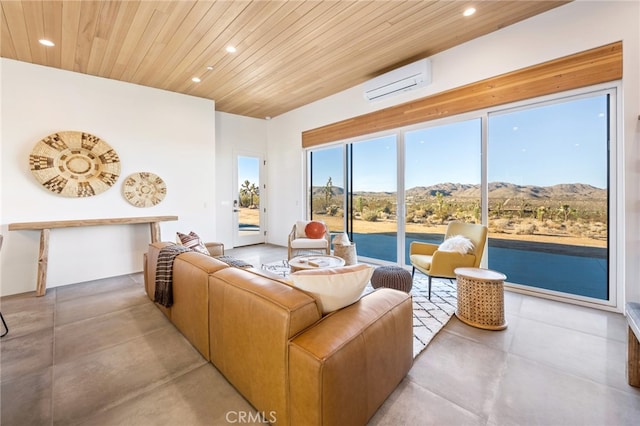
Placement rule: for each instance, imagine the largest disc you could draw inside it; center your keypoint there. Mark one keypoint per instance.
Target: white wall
(569, 29)
(235, 134)
(168, 134)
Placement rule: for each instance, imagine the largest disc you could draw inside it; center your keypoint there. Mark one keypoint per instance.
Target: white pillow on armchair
(457, 243)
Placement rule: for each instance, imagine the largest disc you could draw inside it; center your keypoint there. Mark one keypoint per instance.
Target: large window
(442, 179)
(538, 175)
(326, 194)
(548, 169)
(373, 201)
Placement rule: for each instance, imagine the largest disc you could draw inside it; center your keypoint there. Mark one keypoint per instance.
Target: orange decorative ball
(314, 229)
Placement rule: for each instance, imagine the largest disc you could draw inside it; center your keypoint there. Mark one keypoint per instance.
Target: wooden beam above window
(587, 68)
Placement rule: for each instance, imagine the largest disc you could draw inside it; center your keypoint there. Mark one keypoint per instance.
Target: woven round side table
(392, 277)
(481, 298)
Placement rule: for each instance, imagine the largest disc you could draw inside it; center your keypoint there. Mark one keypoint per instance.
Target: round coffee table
(301, 263)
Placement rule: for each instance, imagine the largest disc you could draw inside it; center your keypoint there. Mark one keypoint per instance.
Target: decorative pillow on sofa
(457, 243)
(193, 242)
(335, 288)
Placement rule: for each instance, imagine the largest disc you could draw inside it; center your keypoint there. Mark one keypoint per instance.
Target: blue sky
(248, 169)
(546, 145)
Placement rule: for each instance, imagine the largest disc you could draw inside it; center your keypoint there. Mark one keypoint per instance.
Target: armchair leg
(413, 272)
(429, 287)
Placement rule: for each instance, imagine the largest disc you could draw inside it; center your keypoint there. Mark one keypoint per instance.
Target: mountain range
(496, 190)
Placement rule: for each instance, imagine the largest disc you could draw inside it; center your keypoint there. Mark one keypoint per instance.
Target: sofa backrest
(251, 320)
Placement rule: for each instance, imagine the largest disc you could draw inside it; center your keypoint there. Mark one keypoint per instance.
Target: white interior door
(248, 206)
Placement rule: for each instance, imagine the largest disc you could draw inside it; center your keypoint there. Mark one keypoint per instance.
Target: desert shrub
(598, 230)
(499, 225)
(332, 210)
(420, 213)
(370, 216)
(526, 229)
(577, 229)
(553, 225)
(415, 219)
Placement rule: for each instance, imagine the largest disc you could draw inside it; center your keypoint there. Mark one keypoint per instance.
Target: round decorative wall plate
(74, 164)
(144, 189)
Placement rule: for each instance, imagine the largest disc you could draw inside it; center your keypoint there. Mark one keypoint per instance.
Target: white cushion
(300, 226)
(457, 243)
(309, 243)
(334, 288)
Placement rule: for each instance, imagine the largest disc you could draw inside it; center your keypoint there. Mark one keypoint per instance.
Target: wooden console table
(45, 228)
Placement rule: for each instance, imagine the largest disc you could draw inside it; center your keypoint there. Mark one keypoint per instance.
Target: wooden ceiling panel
(6, 43)
(70, 26)
(15, 20)
(290, 53)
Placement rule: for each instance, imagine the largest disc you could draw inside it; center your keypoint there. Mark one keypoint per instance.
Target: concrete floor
(100, 353)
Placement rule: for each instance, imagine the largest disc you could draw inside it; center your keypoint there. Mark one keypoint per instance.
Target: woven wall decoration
(74, 164)
(144, 189)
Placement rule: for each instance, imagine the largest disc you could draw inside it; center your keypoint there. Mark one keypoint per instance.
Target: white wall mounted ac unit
(403, 79)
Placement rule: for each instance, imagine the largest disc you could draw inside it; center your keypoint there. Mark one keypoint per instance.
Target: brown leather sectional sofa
(272, 344)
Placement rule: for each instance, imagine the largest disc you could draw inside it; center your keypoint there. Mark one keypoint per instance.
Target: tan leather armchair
(432, 262)
(299, 244)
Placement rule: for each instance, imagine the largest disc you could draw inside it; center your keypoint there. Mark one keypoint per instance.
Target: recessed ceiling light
(209, 68)
(196, 80)
(470, 11)
(231, 49)
(45, 42)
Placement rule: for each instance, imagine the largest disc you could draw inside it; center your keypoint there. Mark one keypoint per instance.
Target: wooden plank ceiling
(289, 53)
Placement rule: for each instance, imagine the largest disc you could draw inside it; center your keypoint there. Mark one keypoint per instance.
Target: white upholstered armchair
(309, 236)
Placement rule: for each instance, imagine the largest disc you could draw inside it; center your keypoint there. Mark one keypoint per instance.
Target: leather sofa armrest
(251, 322)
(343, 368)
(190, 310)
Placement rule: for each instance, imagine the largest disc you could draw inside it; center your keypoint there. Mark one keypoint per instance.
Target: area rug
(429, 316)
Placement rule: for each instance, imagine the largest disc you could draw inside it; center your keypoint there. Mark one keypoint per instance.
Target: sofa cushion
(193, 242)
(334, 288)
(309, 243)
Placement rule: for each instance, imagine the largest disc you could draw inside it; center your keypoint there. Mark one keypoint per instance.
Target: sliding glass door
(442, 179)
(548, 169)
(327, 191)
(373, 220)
